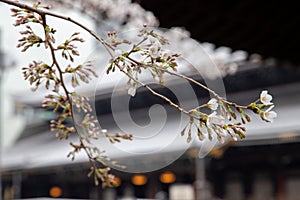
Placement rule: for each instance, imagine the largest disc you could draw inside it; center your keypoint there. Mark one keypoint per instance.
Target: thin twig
(158, 94)
(66, 91)
(45, 12)
(190, 80)
(203, 86)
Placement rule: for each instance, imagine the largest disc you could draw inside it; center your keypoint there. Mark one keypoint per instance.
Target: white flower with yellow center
(154, 51)
(265, 98)
(213, 104)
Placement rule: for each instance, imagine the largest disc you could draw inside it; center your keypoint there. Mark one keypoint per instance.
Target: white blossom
(232, 68)
(265, 98)
(213, 104)
(154, 51)
(117, 11)
(269, 115)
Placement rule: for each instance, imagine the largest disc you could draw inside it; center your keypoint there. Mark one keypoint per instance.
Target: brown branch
(107, 45)
(66, 91)
(48, 43)
(203, 86)
(159, 95)
(45, 12)
(178, 75)
(190, 80)
(81, 138)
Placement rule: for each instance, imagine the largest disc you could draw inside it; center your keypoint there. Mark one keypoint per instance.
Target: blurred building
(266, 165)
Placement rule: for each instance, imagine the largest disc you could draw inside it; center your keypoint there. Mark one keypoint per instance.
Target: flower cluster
(264, 109)
(219, 123)
(226, 118)
(151, 57)
(102, 173)
(218, 117)
(83, 72)
(38, 72)
(120, 12)
(68, 48)
(81, 103)
(60, 104)
(25, 16)
(108, 180)
(56, 102)
(61, 100)
(30, 39)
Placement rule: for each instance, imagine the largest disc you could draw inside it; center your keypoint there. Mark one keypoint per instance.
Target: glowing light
(139, 179)
(167, 177)
(55, 192)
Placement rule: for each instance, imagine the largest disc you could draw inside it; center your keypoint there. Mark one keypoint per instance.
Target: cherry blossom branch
(174, 73)
(226, 118)
(40, 72)
(107, 45)
(204, 87)
(66, 91)
(42, 12)
(166, 99)
(150, 56)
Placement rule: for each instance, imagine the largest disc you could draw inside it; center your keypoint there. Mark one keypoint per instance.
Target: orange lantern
(55, 191)
(139, 179)
(167, 177)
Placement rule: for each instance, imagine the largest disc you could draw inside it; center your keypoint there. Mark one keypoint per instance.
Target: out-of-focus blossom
(213, 118)
(132, 90)
(118, 53)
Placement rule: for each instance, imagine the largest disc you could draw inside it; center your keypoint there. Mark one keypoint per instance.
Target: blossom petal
(265, 98)
(270, 108)
(269, 116)
(213, 104)
(272, 115)
(154, 51)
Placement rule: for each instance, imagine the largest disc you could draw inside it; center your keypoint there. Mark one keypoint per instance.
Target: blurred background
(255, 46)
